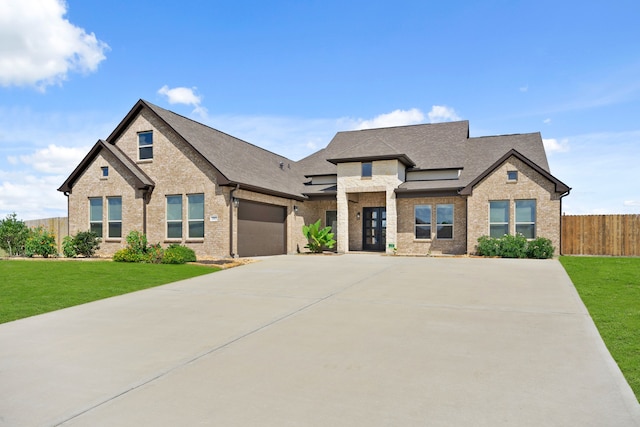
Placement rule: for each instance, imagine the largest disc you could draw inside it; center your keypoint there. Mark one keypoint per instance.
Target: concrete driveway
(352, 340)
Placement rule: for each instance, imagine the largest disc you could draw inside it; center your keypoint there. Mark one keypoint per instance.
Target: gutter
(561, 197)
(231, 220)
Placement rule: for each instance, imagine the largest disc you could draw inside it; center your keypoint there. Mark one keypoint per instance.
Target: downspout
(231, 206)
(66, 194)
(564, 195)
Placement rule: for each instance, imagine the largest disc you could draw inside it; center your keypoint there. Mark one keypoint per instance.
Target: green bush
(517, 246)
(178, 254)
(513, 246)
(69, 247)
(155, 254)
(13, 235)
(40, 242)
(87, 243)
(318, 238)
(129, 255)
(137, 242)
(540, 248)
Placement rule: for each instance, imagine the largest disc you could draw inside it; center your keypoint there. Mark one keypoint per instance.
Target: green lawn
(610, 288)
(33, 287)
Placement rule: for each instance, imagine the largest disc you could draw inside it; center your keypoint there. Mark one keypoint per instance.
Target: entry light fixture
(358, 216)
(236, 202)
(295, 208)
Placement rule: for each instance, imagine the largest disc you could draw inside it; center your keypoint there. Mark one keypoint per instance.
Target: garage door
(261, 229)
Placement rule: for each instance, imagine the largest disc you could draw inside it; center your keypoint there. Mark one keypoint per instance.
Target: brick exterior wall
(409, 245)
(530, 185)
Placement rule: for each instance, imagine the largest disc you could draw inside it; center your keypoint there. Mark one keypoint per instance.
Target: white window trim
(110, 221)
(535, 219)
(508, 223)
(101, 222)
(452, 225)
(190, 220)
(167, 220)
(430, 225)
(146, 146)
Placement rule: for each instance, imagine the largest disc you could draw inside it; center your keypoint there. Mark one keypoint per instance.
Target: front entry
(374, 229)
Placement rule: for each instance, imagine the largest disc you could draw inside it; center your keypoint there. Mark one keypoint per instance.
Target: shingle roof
(238, 161)
(141, 179)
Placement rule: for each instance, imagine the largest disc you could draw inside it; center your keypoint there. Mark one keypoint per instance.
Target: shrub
(155, 254)
(318, 238)
(540, 248)
(85, 243)
(517, 246)
(40, 242)
(128, 255)
(137, 242)
(69, 247)
(488, 246)
(513, 246)
(178, 254)
(13, 235)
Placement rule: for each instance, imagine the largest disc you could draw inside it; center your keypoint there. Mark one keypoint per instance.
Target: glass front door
(374, 229)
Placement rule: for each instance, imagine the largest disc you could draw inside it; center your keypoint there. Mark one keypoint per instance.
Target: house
(420, 189)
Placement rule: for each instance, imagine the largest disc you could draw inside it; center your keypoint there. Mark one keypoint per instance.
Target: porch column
(343, 222)
(392, 220)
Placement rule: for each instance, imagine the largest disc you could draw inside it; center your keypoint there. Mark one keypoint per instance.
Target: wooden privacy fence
(58, 226)
(616, 235)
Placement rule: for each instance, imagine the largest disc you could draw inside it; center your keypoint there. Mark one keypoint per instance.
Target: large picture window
(145, 145)
(114, 214)
(444, 221)
(498, 218)
(526, 218)
(95, 215)
(174, 217)
(196, 216)
(422, 221)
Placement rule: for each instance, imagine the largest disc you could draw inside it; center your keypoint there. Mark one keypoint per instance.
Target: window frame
(194, 221)
(423, 226)
(526, 223)
(327, 224)
(145, 146)
(92, 222)
(512, 176)
(172, 221)
(508, 223)
(442, 224)
(366, 169)
(104, 172)
(111, 222)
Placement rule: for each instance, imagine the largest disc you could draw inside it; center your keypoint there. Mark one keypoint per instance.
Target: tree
(13, 235)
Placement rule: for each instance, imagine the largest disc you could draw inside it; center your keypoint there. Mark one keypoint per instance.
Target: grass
(610, 289)
(33, 287)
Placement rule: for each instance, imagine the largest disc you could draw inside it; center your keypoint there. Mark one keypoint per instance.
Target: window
(95, 215)
(105, 171)
(331, 218)
(114, 213)
(512, 175)
(526, 218)
(498, 218)
(174, 217)
(196, 215)
(367, 169)
(444, 221)
(145, 145)
(422, 215)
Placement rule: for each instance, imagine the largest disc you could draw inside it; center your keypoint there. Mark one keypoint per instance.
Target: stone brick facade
(529, 185)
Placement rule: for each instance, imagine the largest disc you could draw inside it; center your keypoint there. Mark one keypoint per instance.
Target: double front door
(374, 229)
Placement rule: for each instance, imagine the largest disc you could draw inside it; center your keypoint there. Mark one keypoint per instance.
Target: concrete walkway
(353, 340)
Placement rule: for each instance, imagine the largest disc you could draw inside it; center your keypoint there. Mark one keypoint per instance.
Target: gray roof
(237, 161)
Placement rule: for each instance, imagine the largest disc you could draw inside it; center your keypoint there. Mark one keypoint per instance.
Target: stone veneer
(530, 185)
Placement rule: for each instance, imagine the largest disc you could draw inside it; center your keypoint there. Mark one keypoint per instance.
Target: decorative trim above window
(145, 145)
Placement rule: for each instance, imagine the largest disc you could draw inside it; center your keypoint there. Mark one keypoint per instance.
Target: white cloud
(632, 203)
(55, 159)
(552, 145)
(39, 47)
(32, 197)
(394, 118)
(524, 88)
(184, 95)
(546, 121)
(442, 113)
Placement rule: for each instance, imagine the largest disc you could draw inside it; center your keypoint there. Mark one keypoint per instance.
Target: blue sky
(288, 75)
